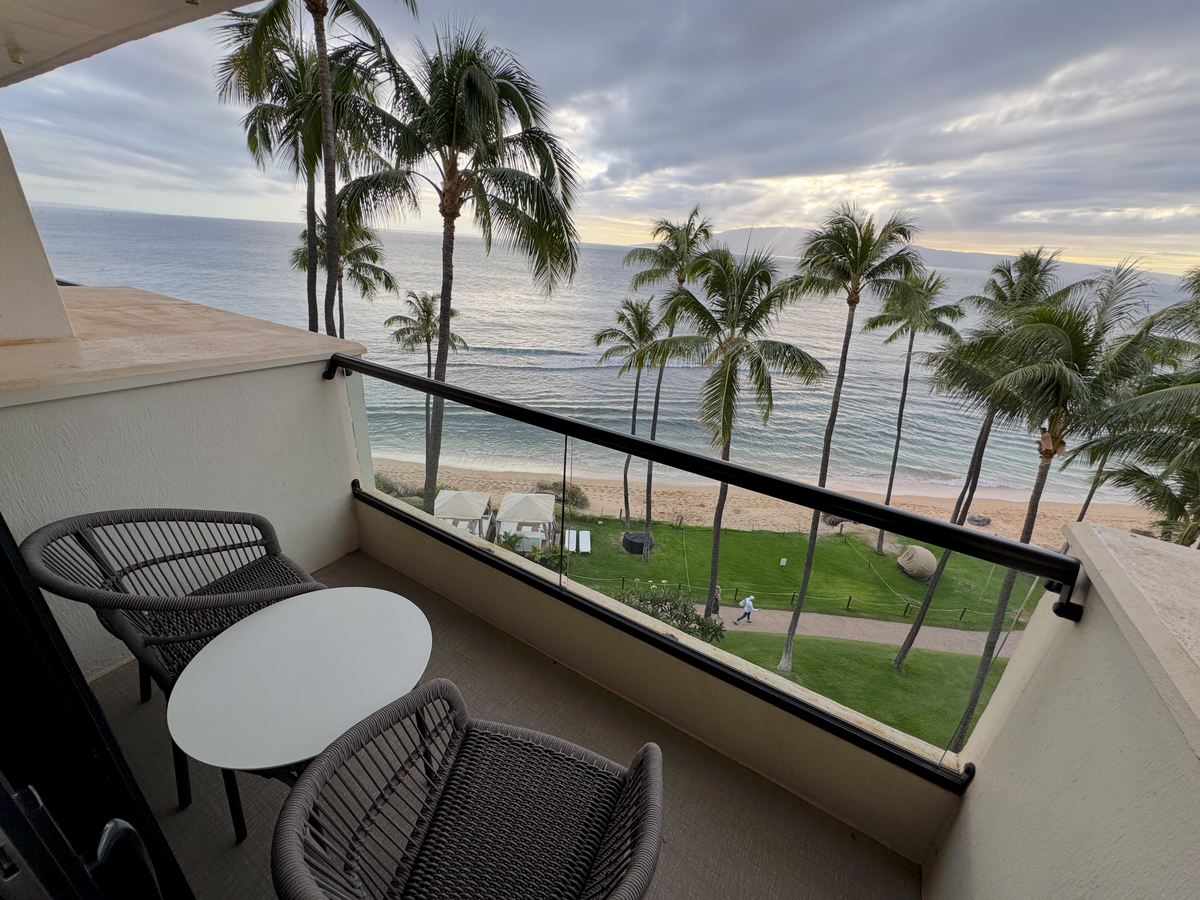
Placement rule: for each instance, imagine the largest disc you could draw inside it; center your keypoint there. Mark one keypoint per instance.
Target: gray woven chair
(421, 801)
(166, 582)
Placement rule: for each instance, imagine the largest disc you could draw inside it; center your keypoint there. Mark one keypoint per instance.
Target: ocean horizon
(537, 350)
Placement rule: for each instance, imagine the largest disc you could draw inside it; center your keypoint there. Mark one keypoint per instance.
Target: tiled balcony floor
(728, 832)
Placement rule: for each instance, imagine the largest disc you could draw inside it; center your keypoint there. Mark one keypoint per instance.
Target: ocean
(533, 349)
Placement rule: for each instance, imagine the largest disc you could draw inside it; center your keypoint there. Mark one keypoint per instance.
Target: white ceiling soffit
(39, 35)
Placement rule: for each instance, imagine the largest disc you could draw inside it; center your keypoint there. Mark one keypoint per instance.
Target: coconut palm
(1063, 361)
(360, 260)
(848, 254)
(671, 262)
(635, 331)
(277, 75)
(1014, 287)
(911, 309)
(274, 24)
(475, 129)
(742, 300)
(1173, 494)
(420, 329)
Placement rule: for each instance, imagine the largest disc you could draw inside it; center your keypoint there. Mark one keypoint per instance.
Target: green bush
(575, 497)
(396, 488)
(670, 606)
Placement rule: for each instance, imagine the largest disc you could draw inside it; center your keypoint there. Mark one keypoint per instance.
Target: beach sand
(749, 511)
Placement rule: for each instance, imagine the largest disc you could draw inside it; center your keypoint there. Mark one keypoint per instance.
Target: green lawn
(846, 567)
(925, 700)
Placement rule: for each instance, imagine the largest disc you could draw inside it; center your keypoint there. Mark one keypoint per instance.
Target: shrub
(668, 605)
(388, 485)
(575, 498)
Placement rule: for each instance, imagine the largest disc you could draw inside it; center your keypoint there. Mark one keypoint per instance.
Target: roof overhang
(38, 35)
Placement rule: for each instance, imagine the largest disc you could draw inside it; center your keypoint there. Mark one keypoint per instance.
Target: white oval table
(275, 689)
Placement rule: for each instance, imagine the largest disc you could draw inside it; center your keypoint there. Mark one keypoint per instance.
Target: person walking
(748, 606)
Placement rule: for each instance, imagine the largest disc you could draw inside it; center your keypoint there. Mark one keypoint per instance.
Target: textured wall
(30, 307)
(1087, 784)
(275, 441)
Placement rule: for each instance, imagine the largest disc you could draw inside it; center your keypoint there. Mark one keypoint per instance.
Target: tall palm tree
(631, 337)
(1171, 493)
(742, 300)
(360, 260)
(911, 309)
(275, 24)
(1063, 361)
(420, 328)
(848, 254)
(474, 128)
(671, 262)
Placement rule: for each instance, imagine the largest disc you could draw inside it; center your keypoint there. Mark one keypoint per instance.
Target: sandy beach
(750, 511)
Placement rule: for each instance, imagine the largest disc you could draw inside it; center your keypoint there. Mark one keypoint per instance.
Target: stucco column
(31, 308)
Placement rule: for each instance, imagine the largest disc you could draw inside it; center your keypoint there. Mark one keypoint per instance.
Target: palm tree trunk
(429, 375)
(646, 540)
(341, 312)
(318, 9)
(961, 508)
(710, 605)
(887, 500)
(1010, 579)
(1087, 501)
(637, 384)
(433, 447)
(785, 662)
(310, 210)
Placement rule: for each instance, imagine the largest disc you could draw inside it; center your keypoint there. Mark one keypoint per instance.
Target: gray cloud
(1013, 120)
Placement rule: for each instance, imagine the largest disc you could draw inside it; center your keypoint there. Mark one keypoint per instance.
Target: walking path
(949, 640)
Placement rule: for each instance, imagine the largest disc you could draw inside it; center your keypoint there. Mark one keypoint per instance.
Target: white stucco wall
(275, 441)
(30, 306)
(1088, 785)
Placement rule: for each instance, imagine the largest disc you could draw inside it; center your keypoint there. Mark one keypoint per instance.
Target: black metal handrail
(1060, 570)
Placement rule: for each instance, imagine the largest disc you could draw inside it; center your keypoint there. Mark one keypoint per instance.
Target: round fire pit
(633, 541)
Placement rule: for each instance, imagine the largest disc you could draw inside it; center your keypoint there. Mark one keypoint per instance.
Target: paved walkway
(951, 640)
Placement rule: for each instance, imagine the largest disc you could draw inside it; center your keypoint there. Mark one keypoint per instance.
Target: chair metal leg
(144, 682)
(235, 804)
(183, 779)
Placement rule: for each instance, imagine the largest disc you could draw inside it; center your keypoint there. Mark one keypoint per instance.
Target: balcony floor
(727, 831)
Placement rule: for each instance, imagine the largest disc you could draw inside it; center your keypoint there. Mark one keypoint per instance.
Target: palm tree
(420, 328)
(910, 310)
(360, 260)
(672, 260)
(1171, 493)
(848, 254)
(475, 129)
(277, 75)
(1063, 359)
(274, 25)
(742, 301)
(632, 336)
(1014, 286)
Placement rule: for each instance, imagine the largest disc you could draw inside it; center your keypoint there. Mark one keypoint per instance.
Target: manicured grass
(925, 700)
(846, 567)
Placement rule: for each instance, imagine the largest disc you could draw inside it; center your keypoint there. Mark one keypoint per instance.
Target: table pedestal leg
(183, 780)
(235, 804)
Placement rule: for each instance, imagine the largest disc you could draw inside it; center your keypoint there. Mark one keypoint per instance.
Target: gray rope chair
(166, 582)
(421, 801)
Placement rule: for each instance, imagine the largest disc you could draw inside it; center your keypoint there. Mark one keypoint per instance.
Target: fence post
(792, 604)
(906, 606)
(622, 582)
(961, 614)
(735, 590)
(848, 599)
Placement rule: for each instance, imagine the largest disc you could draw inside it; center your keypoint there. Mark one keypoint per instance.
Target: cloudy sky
(1002, 123)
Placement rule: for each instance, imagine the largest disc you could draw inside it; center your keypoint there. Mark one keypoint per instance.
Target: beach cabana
(529, 515)
(464, 509)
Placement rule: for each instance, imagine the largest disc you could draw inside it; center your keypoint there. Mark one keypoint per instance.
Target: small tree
(419, 328)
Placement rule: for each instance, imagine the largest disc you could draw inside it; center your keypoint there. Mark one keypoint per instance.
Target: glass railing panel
(498, 480)
(858, 610)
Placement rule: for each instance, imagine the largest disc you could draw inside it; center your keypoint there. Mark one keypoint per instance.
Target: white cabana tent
(464, 509)
(529, 515)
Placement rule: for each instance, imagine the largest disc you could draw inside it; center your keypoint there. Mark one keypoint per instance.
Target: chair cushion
(515, 819)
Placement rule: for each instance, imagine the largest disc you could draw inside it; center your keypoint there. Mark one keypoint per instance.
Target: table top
(281, 685)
